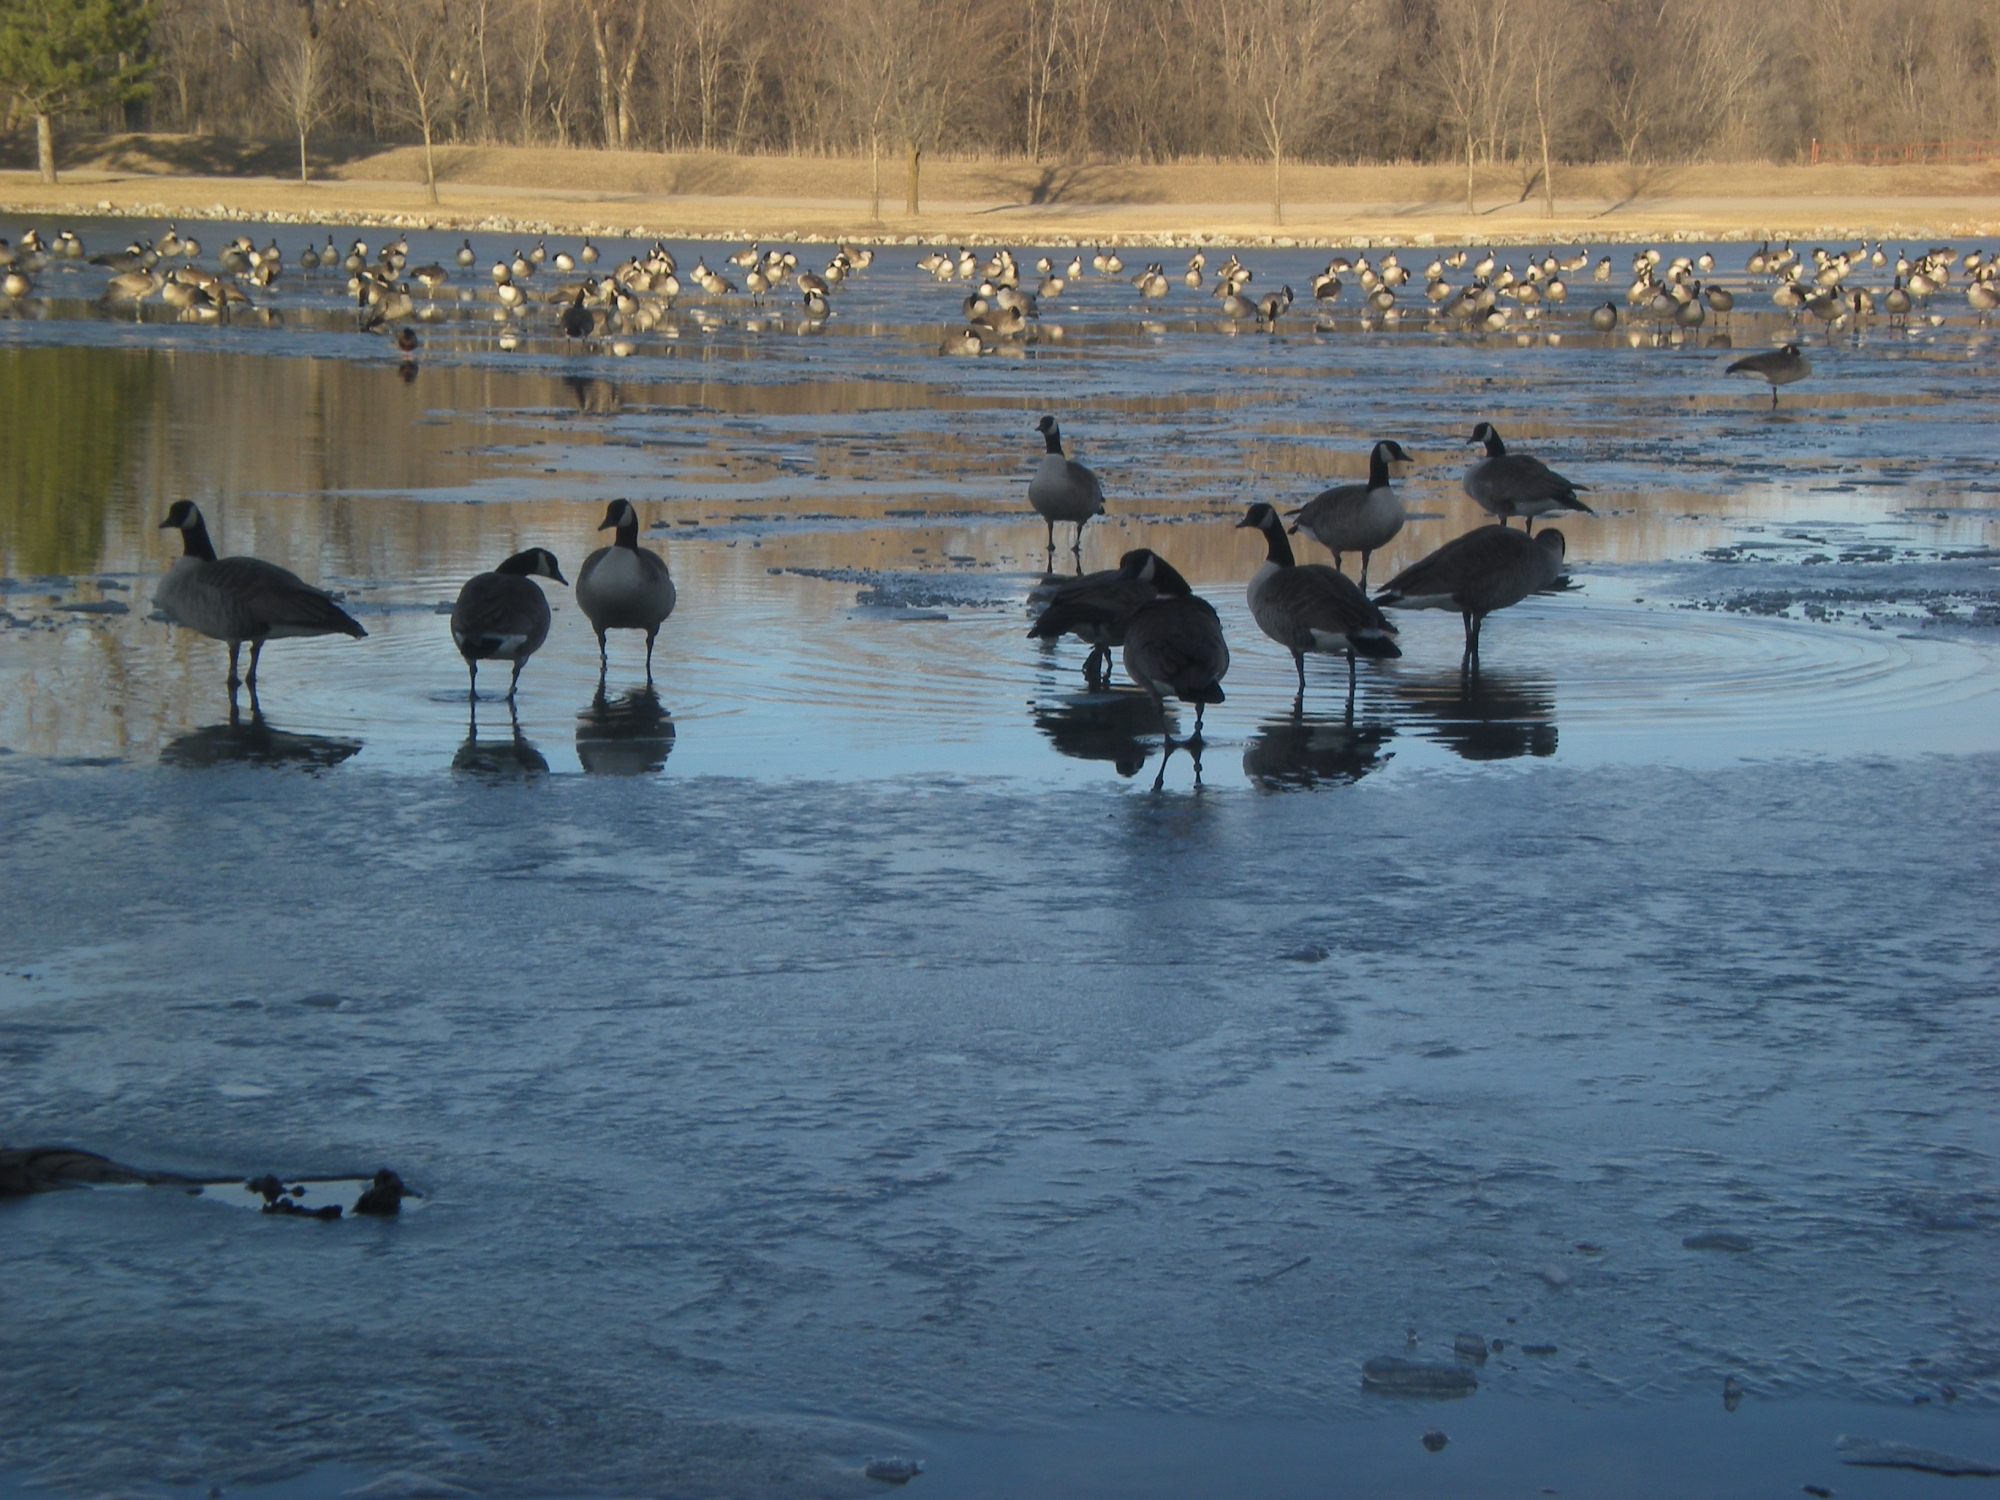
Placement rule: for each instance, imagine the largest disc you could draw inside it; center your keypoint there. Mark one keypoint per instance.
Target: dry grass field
(1001, 200)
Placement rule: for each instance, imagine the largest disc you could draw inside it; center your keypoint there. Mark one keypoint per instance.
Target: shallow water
(859, 1059)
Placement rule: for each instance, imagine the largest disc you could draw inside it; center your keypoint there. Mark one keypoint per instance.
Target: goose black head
(183, 516)
(1051, 434)
(1263, 517)
(1390, 449)
(1553, 540)
(620, 516)
(406, 340)
(1484, 433)
(536, 562)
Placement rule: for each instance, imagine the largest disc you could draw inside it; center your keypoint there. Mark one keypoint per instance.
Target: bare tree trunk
(430, 162)
(1277, 182)
(875, 174)
(916, 171)
(45, 147)
(1470, 206)
(303, 178)
(1548, 176)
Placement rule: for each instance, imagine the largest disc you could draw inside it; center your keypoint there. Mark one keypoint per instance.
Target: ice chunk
(1390, 1372)
(1875, 1453)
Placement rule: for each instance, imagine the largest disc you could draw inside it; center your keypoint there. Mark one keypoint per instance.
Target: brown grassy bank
(996, 200)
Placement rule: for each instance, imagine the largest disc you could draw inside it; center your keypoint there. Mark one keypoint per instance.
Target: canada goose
(406, 341)
(1897, 303)
(1604, 318)
(1273, 304)
(1778, 366)
(1720, 301)
(1062, 489)
(624, 586)
(1098, 607)
(1311, 608)
(577, 322)
(1357, 517)
(1174, 646)
(430, 278)
(1507, 484)
(15, 285)
(501, 616)
(238, 599)
(588, 254)
(1486, 569)
(130, 286)
(966, 342)
(1236, 308)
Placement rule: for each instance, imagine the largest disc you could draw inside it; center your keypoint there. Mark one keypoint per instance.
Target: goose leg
(1195, 739)
(1077, 547)
(1299, 661)
(256, 650)
(1529, 522)
(603, 657)
(1052, 544)
(1350, 678)
(512, 686)
(650, 636)
(234, 680)
(1364, 569)
(1471, 636)
(1774, 398)
(472, 684)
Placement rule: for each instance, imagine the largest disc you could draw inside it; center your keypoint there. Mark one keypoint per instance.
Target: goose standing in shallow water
(1507, 484)
(1098, 607)
(1311, 607)
(1174, 647)
(501, 616)
(624, 586)
(1477, 573)
(1062, 489)
(238, 599)
(1778, 366)
(1357, 517)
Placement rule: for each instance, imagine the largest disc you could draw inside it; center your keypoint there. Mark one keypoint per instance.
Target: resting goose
(1174, 648)
(1062, 489)
(1311, 608)
(1778, 366)
(1475, 574)
(1507, 484)
(501, 616)
(238, 599)
(1357, 517)
(624, 586)
(1098, 607)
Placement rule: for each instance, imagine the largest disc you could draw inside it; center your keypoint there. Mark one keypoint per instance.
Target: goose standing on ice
(1778, 366)
(501, 616)
(1174, 648)
(1507, 484)
(624, 586)
(1063, 490)
(1098, 607)
(1357, 517)
(1486, 569)
(1311, 607)
(238, 599)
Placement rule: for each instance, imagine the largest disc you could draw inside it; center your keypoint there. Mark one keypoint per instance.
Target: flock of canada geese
(1171, 638)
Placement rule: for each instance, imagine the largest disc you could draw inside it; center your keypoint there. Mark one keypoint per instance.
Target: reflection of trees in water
(71, 417)
(1306, 751)
(630, 735)
(1102, 726)
(1491, 716)
(253, 742)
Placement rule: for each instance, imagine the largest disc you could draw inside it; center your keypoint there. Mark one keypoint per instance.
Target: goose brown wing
(498, 605)
(1488, 568)
(1090, 606)
(1316, 597)
(269, 597)
(1178, 640)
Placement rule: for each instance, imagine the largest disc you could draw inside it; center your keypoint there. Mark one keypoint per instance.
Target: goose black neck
(1053, 437)
(1494, 447)
(195, 542)
(1278, 550)
(628, 532)
(1378, 469)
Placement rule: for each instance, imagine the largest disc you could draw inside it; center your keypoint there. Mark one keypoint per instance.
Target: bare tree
(618, 37)
(897, 70)
(1282, 51)
(417, 40)
(1547, 69)
(300, 71)
(1471, 62)
(1082, 28)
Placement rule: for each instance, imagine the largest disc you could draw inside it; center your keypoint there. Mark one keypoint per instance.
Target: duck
(1174, 647)
(1489, 568)
(1357, 517)
(1312, 607)
(1778, 366)
(624, 586)
(238, 599)
(501, 616)
(1507, 484)
(1063, 489)
(1098, 607)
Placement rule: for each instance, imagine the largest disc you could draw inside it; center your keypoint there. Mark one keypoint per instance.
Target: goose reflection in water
(253, 742)
(1298, 751)
(498, 758)
(629, 735)
(1494, 716)
(1109, 726)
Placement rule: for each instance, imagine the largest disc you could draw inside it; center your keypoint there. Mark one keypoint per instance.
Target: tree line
(1531, 83)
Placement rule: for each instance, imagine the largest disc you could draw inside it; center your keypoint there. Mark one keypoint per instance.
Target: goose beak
(556, 574)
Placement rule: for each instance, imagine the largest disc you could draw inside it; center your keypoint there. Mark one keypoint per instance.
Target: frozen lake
(873, 1064)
